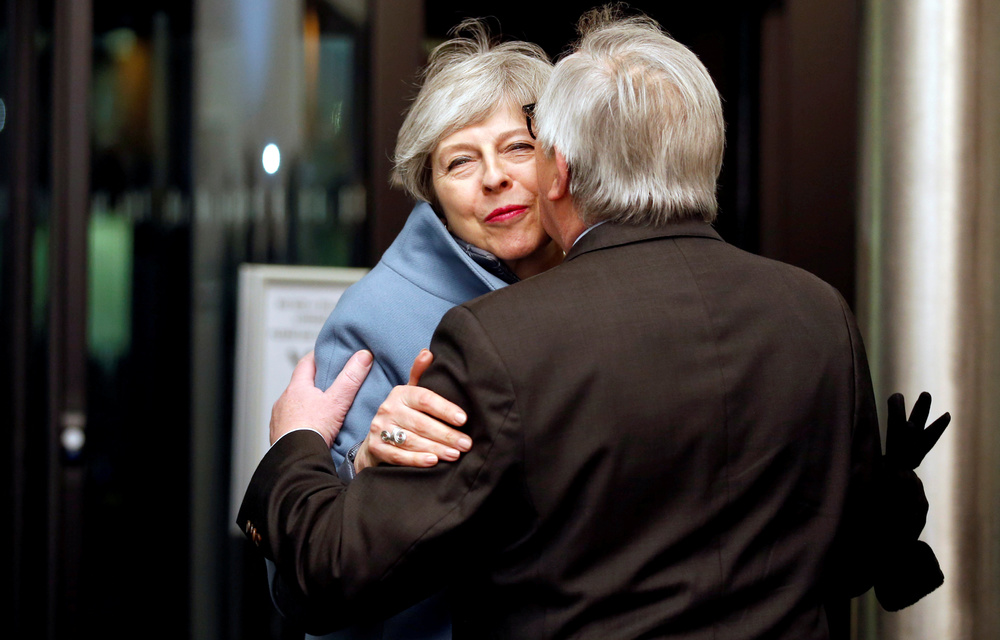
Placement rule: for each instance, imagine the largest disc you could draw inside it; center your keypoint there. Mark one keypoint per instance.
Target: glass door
(146, 151)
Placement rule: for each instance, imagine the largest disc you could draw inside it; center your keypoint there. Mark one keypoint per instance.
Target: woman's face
(485, 182)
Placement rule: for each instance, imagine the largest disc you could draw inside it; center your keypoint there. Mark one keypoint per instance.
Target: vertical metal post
(22, 166)
(929, 272)
(247, 91)
(68, 306)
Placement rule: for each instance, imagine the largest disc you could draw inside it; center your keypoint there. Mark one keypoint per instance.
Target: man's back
(684, 424)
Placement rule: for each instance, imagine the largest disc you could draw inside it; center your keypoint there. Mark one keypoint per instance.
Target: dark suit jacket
(673, 438)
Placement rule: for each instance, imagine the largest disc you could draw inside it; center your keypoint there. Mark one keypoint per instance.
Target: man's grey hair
(466, 80)
(639, 121)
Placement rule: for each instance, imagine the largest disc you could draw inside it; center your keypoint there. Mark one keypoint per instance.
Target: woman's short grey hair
(466, 80)
(639, 121)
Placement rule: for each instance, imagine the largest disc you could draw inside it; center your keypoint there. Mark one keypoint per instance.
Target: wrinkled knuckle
(394, 395)
(424, 400)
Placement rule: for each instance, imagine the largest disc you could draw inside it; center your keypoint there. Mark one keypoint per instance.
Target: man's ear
(559, 187)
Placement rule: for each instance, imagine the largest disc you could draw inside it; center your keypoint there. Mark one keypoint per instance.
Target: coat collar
(425, 254)
(612, 234)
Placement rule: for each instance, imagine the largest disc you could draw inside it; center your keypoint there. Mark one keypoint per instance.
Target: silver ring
(395, 438)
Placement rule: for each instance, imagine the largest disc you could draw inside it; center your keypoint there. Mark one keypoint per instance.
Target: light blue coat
(393, 312)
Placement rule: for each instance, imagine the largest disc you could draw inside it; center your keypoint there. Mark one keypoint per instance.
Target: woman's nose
(496, 177)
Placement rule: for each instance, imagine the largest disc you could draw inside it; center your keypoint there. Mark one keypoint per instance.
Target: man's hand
(424, 417)
(302, 405)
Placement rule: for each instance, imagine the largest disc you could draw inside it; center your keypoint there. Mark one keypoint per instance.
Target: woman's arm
(425, 419)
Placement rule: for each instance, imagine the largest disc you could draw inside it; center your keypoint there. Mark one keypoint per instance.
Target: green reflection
(40, 279)
(109, 287)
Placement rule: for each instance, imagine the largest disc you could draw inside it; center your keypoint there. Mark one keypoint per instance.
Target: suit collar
(612, 234)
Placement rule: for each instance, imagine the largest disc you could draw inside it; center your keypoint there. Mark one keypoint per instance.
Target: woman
(465, 154)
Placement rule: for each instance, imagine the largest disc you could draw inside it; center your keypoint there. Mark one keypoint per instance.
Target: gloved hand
(908, 569)
(907, 441)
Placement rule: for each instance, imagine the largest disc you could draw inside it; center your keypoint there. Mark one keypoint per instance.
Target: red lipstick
(506, 213)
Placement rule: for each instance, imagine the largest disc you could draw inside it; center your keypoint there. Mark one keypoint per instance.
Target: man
(671, 437)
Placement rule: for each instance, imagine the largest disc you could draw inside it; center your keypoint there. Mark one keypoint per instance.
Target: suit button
(247, 528)
(256, 538)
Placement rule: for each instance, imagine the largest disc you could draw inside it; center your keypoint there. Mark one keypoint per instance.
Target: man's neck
(541, 260)
(568, 227)
(588, 230)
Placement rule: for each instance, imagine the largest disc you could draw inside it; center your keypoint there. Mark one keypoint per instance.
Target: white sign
(281, 311)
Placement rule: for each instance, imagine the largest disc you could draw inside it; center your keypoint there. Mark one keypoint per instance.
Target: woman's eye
(457, 162)
(521, 146)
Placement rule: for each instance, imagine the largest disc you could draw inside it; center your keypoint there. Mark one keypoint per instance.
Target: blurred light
(336, 117)
(121, 43)
(271, 158)
(72, 436)
(3, 114)
(72, 441)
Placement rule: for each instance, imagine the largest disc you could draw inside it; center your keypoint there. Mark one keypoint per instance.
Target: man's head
(636, 122)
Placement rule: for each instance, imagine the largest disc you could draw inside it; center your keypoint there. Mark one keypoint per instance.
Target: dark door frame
(67, 372)
(21, 18)
(45, 478)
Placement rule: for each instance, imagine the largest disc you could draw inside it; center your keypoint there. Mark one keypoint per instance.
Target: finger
(417, 444)
(429, 429)
(897, 411)
(430, 403)
(354, 372)
(384, 453)
(921, 409)
(305, 371)
(933, 432)
(895, 420)
(420, 364)
(349, 380)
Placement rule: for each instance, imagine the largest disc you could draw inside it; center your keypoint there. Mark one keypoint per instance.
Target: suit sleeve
(339, 339)
(397, 534)
(854, 558)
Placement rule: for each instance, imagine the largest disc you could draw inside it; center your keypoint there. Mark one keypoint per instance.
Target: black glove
(907, 441)
(907, 568)
(907, 572)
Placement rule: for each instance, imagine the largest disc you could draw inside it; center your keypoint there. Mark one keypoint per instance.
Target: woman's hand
(422, 417)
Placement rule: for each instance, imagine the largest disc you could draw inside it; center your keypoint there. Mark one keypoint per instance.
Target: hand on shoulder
(414, 426)
(303, 406)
